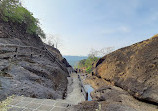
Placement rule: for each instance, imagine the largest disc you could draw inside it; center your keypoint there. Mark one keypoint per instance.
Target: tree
(57, 41)
(13, 11)
(81, 63)
(87, 64)
(105, 51)
(93, 57)
(54, 40)
(93, 53)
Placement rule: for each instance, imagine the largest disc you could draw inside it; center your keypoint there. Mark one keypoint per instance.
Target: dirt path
(74, 96)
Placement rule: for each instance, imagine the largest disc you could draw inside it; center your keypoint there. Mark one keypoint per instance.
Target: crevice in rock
(141, 100)
(146, 101)
(99, 62)
(65, 94)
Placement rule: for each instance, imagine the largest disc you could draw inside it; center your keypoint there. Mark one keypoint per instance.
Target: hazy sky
(86, 24)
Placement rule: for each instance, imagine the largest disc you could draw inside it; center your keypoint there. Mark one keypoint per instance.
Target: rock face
(11, 33)
(28, 67)
(107, 97)
(134, 69)
(115, 99)
(110, 98)
(55, 51)
(57, 54)
(125, 80)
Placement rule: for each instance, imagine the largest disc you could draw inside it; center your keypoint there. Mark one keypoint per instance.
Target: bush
(81, 63)
(89, 69)
(12, 10)
(87, 64)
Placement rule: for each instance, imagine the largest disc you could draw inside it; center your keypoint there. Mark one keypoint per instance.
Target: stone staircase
(17, 51)
(74, 96)
(21, 103)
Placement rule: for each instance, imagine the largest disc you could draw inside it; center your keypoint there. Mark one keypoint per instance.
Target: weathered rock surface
(12, 33)
(108, 97)
(134, 69)
(85, 106)
(58, 55)
(28, 67)
(115, 99)
(55, 51)
(125, 80)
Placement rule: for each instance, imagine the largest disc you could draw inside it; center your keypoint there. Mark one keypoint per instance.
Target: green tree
(88, 63)
(93, 58)
(81, 63)
(13, 11)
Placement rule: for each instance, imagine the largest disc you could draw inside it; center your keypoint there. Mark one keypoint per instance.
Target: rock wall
(27, 67)
(55, 51)
(58, 55)
(12, 33)
(134, 69)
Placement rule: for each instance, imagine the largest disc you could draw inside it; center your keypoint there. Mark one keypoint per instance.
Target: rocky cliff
(134, 69)
(125, 80)
(29, 67)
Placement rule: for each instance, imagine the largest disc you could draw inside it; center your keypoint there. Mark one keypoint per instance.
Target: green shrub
(12, 10)
(87, 64)
(89, 69)
(81, 63)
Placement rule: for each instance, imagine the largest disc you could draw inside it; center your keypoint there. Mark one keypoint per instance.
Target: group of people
(77, 70)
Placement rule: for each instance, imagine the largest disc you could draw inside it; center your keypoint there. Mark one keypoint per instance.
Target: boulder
(134, 69)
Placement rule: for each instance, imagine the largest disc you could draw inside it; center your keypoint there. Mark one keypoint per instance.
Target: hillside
(28, 66)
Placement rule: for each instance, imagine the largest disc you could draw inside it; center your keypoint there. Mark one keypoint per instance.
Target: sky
(85, 24)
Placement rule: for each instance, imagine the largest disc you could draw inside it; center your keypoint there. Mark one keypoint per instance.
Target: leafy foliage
(87, 64)
(12, 10)
(89, 69)
(81, 63)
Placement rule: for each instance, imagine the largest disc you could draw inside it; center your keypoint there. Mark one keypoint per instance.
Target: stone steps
(21, 103)
(15, 50)
(74, 96)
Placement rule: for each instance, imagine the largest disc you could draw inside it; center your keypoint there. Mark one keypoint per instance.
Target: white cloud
(121, 29)
(124, 29)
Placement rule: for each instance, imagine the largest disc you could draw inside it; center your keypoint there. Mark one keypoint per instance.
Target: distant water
(89, 89)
